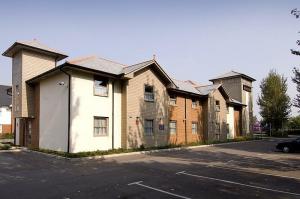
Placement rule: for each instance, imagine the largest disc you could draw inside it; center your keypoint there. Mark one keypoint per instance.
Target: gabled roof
(232, 74)
(5, 99)
(205, 90)
(185, 86)
(100, 64)
(35, 46)
(135, 67)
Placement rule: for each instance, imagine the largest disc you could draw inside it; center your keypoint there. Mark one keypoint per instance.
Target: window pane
(148, 127)
(100, 126)
(101, 87)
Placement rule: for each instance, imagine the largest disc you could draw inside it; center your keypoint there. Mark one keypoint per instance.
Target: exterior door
(237, 123)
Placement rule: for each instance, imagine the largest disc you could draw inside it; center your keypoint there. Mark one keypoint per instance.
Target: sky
(192, 40)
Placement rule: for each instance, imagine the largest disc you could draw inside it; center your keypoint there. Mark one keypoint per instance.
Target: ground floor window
(100, 126)
(148, 127)
(172, 127)
(194, 127)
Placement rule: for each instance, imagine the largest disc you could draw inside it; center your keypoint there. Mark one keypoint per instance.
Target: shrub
(4, 146)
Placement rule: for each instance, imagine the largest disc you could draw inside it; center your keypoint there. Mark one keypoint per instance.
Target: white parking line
(236, 183)
(251, 171)
(139, 183)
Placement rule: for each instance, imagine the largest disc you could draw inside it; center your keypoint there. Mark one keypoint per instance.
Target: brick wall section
(177, 113)
(6, 128)
(137, 109)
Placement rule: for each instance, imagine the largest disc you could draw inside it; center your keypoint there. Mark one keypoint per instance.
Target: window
(194, 103)
(217, 105)
(194, 127)
(218, 127)
(149, 93)
(148, 127)
(172, 127)
(247, 88)
(173, 99)
(100, 126)
(101, 86)
(17, 90)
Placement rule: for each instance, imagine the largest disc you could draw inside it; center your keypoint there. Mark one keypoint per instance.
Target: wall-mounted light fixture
(137, 120)
(61, 83)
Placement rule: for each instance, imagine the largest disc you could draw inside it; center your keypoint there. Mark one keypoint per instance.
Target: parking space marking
(236, 183)
(139, 183)
(251, 171)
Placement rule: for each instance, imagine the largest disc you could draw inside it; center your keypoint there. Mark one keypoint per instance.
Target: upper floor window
(173, 99)
(217, 105)
(172, 127)
(194, 103)
(194, 127)
(246, 88)
(148, 127)
(149, 93)
(101, 86)
(100, 126)
(17, 90)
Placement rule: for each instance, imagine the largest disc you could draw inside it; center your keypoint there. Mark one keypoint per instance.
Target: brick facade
(185, 115)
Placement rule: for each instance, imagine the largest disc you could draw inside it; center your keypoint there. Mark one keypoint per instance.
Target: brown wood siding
(36, 120)
(237, 122)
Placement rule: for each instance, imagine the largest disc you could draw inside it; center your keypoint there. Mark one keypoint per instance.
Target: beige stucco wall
(247, 114)
(53, 128)
(230, 122)
(138, 110)
(214, 116)
(84, 106)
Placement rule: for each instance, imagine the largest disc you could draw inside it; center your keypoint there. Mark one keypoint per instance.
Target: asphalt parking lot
(236, 170)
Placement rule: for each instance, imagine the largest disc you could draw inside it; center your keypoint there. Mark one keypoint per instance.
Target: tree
(294, 122)
(296, 80)
(274, 102)
(296, 13)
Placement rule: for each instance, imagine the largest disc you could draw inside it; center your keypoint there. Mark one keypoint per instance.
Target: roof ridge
(139, 63)
(79, 59)
(111, 61)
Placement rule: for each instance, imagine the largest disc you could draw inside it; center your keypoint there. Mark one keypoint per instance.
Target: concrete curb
(103, 157)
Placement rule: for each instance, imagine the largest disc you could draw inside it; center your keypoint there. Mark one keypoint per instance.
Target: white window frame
(172, 130)
(149, 96)
(148, 129)
(218, 106)
(98, 134)
(103, 89)
(173, 100)
(194, 127)
(194, 103)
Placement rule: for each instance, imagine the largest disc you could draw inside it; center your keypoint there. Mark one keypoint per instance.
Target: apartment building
(91, 103)
(5, 109)
(239, 87)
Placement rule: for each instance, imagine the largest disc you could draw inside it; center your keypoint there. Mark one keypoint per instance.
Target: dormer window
(101, 86)
(149, 93)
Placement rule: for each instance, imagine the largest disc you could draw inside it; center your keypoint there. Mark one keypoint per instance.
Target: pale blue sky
(195, 40)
